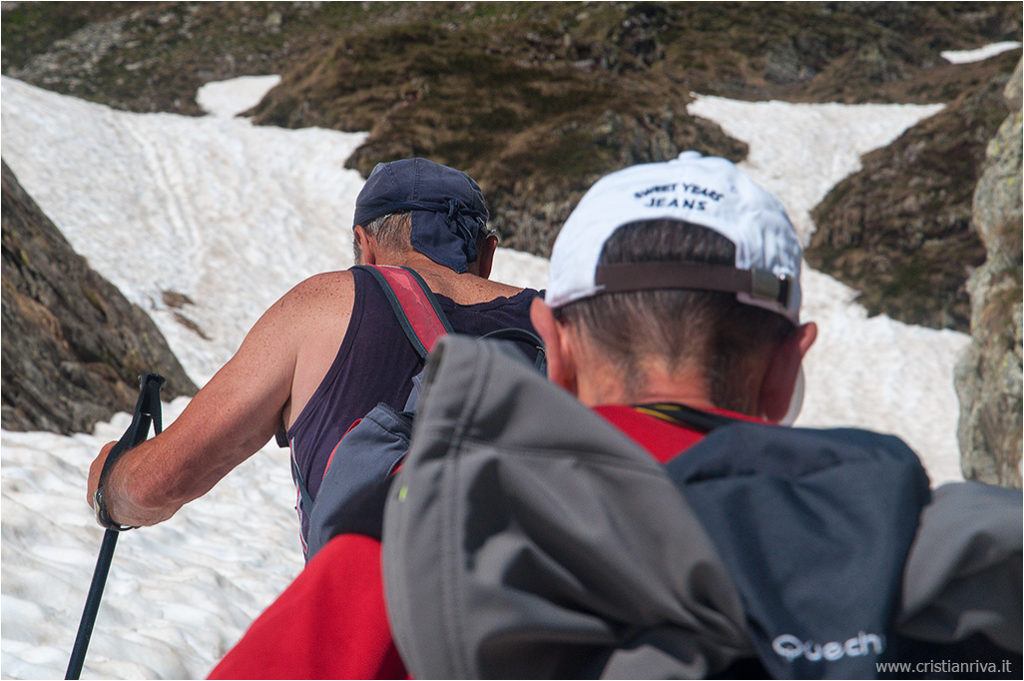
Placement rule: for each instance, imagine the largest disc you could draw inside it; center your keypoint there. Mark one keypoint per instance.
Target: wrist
(103, 515)
(99, 504)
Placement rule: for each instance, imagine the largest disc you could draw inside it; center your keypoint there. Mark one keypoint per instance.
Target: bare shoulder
(318, 306)
(326, 286)
(309, 300)
(496, 289)
(484, 290)
(468, 289)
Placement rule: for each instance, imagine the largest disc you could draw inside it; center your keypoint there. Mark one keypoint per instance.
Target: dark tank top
(376, 363)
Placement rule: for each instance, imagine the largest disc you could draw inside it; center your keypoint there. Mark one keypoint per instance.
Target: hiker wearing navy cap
(329, 350)
(643, 514)
(446, 210)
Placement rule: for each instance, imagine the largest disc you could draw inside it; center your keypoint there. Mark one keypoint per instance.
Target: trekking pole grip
(147, 411)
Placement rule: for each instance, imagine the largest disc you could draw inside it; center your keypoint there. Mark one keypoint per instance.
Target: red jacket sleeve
(330, 623)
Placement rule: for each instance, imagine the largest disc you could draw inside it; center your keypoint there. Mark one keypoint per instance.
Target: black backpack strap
(517, 334)
(414, 304)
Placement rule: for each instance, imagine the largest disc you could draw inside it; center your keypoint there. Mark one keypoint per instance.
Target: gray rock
(73, 346)
(989, 375)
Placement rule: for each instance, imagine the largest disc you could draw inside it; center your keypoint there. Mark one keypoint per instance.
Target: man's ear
(557, 348)
(485, 256)
(367, 246)
(783, 368)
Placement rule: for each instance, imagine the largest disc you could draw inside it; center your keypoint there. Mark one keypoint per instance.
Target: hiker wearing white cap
(648, 517)
(677, 281)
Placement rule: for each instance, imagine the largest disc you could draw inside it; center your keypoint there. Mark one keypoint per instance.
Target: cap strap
(644, 276)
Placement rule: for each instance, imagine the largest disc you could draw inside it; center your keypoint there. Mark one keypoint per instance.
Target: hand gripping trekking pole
(147, 410)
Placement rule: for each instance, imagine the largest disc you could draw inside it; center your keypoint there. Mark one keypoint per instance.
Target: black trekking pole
(147, 410)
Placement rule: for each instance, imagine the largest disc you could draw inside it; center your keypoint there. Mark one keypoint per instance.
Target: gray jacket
(525, 537)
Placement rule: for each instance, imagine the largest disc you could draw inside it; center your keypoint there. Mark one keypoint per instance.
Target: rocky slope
(73, 347)
(900, 230)
(536, 100)
(988, 377)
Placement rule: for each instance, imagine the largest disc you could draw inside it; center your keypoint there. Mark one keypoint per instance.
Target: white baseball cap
(702, 190)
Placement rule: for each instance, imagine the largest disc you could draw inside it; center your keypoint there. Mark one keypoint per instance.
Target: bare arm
(234, 414)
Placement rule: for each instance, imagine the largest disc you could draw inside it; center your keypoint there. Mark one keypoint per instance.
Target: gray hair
(393, 229)
(390, 230)
(677, 326)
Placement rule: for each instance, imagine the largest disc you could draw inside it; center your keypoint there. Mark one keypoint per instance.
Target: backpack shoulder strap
(414, 305)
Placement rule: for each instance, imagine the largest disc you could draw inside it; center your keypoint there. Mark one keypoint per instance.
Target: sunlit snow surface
(800, 151)
(229, 214)
(229, 98)
(232, 216)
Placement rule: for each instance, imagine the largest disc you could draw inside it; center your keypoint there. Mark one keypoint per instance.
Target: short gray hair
(392, 231)
(673, 325)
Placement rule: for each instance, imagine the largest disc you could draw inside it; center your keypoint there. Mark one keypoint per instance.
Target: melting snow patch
(228, 98)
(980, 54)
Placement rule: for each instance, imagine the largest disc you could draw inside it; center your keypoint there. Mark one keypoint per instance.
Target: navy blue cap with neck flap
(446, 207)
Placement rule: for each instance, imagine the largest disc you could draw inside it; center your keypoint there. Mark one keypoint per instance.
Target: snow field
(232, 215)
